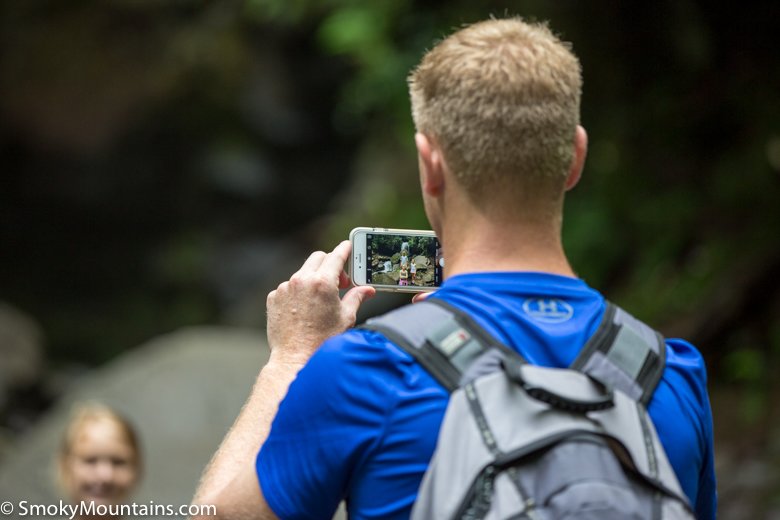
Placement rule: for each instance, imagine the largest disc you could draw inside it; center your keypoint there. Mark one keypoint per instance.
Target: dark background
(166, 163)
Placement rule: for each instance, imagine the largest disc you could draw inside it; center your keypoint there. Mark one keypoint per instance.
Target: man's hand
(302, 313)
(306, 310)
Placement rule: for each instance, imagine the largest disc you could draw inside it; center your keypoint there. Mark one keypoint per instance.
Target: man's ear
(578, 161)
(431, 165)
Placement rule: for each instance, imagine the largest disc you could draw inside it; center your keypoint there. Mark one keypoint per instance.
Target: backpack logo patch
(548, 310)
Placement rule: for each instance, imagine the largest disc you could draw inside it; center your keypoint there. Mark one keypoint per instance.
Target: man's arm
(302, 313)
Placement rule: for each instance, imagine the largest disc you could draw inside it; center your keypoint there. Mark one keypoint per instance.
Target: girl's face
(101, 466)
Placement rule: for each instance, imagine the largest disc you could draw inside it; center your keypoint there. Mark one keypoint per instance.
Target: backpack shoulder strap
(446, 341)
(624, 353)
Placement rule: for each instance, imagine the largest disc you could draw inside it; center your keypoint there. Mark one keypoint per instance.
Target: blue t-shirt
(361, 419)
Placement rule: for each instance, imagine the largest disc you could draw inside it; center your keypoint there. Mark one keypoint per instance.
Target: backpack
(520, 441)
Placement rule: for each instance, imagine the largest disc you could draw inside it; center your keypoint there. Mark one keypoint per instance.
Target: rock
(390, 278)
(181, 391)
(421, 261)
(21, 351)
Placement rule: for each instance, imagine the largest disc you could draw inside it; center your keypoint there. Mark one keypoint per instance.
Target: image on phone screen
(403, 260)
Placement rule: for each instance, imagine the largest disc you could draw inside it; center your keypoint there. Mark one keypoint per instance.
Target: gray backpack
(522, 441)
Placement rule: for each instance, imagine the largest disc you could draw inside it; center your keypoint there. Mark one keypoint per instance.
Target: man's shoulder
(686, 371)
(357, 340)
(357, 353)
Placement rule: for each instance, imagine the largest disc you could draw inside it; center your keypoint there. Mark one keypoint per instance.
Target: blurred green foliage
(676, 217)
(389, 245)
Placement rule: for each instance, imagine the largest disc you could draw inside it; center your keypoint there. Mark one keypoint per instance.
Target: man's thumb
(417, 298)
(355, 297)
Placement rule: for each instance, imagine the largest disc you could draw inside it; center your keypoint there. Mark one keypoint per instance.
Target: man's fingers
(351, 301)
(334, 262)
(344, 281)
(312, 263)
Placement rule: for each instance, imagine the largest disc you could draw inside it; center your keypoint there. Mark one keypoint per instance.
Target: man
(496, 107)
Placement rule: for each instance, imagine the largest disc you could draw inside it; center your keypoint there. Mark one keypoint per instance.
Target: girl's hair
(85, 413)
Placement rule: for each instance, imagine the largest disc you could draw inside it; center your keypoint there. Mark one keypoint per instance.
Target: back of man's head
(502, 99)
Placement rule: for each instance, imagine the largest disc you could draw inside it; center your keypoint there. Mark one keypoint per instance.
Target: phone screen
(403, 260)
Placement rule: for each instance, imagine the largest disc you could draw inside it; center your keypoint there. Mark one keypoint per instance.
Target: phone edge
(389, 231)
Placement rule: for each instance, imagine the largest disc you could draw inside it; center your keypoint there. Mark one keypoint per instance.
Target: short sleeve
(681, 412)
(328, 424)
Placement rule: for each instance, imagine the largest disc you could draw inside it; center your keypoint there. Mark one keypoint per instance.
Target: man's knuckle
(320, 283)
(315, 256)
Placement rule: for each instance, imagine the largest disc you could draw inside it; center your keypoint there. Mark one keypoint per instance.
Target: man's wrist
(281, 360)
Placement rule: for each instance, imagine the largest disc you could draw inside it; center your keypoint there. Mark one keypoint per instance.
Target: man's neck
(485, 247)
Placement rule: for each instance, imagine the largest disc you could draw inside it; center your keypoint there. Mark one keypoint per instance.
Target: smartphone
(403, 260)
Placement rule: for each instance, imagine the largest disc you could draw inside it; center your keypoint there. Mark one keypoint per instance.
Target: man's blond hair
(502, 99)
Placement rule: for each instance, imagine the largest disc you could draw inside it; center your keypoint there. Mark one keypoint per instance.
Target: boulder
(181, 391)
(21, 351)
(421, 261)
(390, 278)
